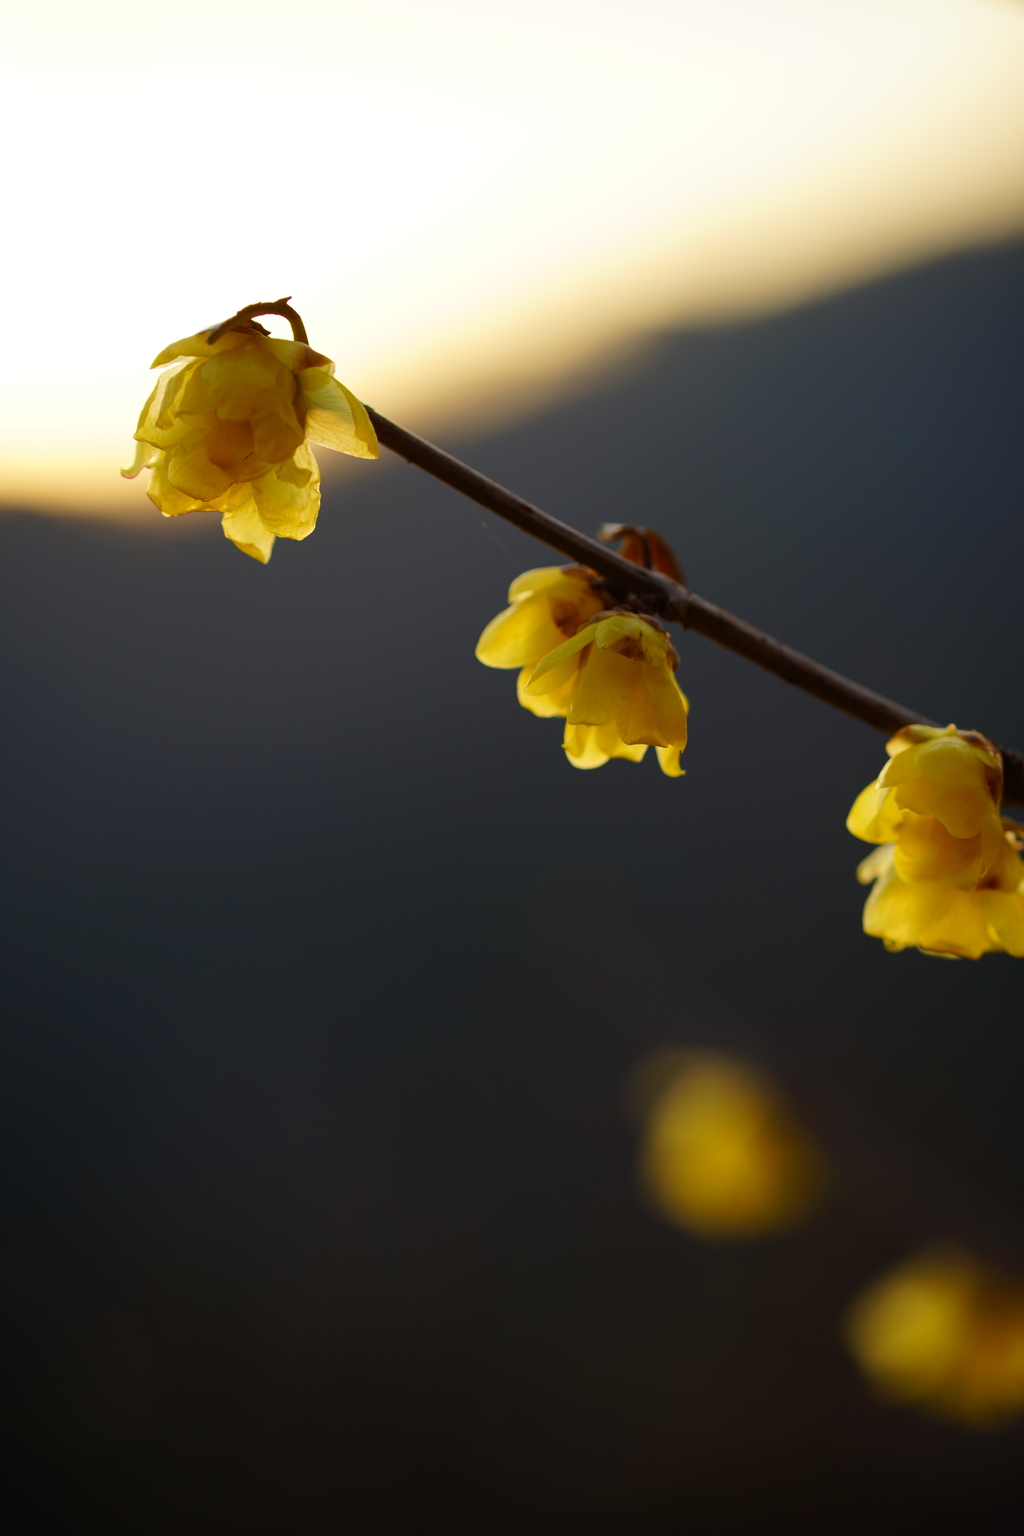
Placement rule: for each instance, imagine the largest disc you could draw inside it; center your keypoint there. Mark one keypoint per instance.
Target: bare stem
(669, 598)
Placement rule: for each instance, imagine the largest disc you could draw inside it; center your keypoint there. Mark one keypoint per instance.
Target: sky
(469, 203)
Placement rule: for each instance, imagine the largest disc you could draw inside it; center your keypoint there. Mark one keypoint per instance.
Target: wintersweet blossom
(947, 874)
(614, 681)
(723, 1156)
(228, 427)
(548, 605)
(945, 1333)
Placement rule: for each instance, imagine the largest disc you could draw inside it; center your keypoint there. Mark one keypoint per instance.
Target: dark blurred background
(325, 975)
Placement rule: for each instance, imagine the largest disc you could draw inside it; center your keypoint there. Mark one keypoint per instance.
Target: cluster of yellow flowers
(608, 673)
(228, 428)
(947, 873)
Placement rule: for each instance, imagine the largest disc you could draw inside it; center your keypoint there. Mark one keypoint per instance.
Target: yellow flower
(723, 1157)
(945, 1333)
(228, 430)
(615, 683)
(548, 606)
(948, 874)
(942, 919)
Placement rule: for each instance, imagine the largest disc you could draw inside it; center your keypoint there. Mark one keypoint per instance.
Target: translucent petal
(536, 581)
(276, 432)
(636, 719)
(877, 864)
(198, 346)
(604, 685)
(899, 769)
(1004, 915)
(288, 503)
(563, 652)
(519, 636)
(336, 419)
(556, 679)
(917, 794)
(668, 705)
(296, 355)
(926, 851)
(962, 809)
(580, 743)
(875, 817)
(668, 760)
(145, 453)
(189, 470)
(244, 527)
(545, 705)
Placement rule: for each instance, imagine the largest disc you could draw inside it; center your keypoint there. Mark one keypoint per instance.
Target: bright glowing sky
(467, 198)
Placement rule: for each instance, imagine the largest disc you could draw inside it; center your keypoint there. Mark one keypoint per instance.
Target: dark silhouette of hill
(324, 973)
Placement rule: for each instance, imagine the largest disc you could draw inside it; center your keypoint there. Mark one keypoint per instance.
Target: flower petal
(545, 705)
(198, 346)
(244, 527)
(604, 685)
(288, 498)
(336, 419)
(668, 705)
(668, 759)
(563, 652)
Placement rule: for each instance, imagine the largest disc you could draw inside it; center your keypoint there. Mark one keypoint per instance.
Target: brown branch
(668, 598)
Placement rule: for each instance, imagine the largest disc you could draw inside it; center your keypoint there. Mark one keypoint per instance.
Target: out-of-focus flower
(615, 683)
(228, 428)
(723, 1156)
(947, 874)
(548, 606)
(945, 1333)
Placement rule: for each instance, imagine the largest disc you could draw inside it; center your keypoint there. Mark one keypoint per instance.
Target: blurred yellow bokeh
(945, 1333)
(722, 1155)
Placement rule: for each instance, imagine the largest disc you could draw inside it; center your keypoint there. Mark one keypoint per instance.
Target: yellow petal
(276, 432)
(877, 865)
(244, 527)
(520, 635)
(336, 419)
(295, 355)
(962, 809)
(636, 720)
(557, 679)
(288, 498)
(190, 471)
(580, 744)
(875, 817)
(563, 652)
(917, 794)
(537, 580)
(668, 760)
(1004, 917)
(926, 851)
(668, 704)
(900, 769)
(545, 705)
(145, 454)
(198, 346)
(604, 685)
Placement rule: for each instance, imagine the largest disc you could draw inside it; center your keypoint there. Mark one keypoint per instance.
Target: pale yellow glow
(468, 200)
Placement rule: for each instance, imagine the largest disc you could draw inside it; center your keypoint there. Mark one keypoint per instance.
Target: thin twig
(668, 598)
(280, 307)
